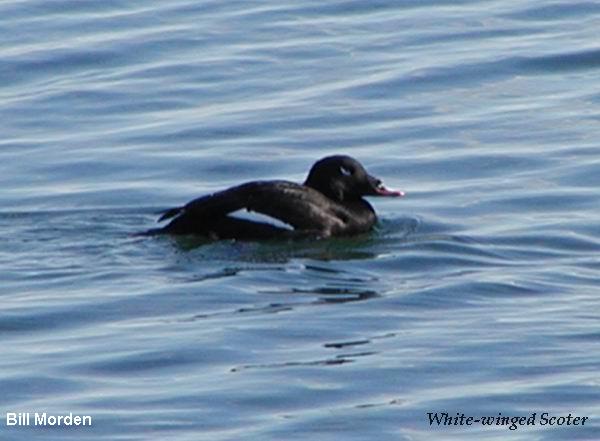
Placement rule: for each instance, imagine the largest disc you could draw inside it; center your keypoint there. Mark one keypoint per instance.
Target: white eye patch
(345, 171)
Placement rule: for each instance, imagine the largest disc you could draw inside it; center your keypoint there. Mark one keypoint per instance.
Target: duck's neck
(363, 215)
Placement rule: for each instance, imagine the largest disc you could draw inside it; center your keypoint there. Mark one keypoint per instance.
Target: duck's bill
(378, 189)
(382, 191)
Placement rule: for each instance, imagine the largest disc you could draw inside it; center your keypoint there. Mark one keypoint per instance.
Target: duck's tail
(168, 214)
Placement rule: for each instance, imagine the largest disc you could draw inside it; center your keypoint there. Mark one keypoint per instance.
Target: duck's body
(329, 203)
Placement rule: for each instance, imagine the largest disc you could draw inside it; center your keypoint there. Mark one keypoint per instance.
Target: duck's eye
(345, 171)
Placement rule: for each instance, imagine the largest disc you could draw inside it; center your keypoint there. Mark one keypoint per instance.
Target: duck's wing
(296, 205)
(302, 207)
(213, 205)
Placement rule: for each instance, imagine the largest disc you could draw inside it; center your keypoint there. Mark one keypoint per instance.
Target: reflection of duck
(329, 203)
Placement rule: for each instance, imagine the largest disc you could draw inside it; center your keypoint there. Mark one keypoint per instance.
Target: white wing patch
(259, 217)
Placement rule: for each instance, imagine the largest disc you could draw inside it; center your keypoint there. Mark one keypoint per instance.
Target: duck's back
(301, 207)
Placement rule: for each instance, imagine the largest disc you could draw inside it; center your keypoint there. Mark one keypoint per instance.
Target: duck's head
(343, 178)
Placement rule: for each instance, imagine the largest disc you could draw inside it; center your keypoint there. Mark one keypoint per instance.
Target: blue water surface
(477, 293)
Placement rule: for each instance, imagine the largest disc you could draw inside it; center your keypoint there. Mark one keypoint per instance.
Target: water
(477, 293)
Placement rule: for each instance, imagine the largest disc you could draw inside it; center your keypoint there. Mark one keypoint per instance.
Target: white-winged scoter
(329, 203)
